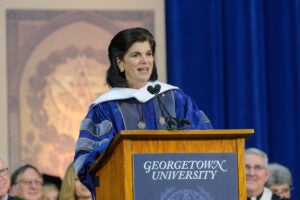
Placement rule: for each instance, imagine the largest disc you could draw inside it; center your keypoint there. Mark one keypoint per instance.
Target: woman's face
(137, 64)
(81, 191)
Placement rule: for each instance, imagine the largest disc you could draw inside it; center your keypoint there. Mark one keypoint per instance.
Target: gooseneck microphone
(173, 123)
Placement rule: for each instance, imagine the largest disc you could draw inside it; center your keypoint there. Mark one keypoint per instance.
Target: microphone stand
(172, 122)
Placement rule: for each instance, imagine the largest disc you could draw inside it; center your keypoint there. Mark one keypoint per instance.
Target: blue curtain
(240, 61)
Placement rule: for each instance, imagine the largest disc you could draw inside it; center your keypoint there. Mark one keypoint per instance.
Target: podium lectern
(114, 169)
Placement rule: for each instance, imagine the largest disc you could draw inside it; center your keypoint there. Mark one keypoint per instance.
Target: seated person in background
(51, 187)
(4, 179)
(280, 180)
(257, 174)
(26, 183)
(50, 191)
(71, 187)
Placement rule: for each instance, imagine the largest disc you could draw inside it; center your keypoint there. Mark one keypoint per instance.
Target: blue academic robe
(124, 109)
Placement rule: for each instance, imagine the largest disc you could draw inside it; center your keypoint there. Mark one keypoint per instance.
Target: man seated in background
(4, 179)
(280, 180)
(257, 174)
(26, 183)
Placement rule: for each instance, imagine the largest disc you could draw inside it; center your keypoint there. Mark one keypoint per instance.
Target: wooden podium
(114, 168)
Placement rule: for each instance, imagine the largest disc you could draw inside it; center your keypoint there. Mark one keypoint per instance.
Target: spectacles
(256, 168)
(31, 182)
(4, 172)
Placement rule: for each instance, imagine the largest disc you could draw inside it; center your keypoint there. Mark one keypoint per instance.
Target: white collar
(267, 195)
(142, 94)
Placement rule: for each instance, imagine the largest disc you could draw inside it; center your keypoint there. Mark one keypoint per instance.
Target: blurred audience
(71, 187)
(50, 191)
(56, 180)
(4, 179)
(26, 183)
(280, 180)
(257, 174)
(51, 187)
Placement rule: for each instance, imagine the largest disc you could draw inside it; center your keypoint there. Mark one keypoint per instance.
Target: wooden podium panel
(114, 167)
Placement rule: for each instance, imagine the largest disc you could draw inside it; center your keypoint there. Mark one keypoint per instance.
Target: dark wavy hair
(21, 170)
(118, 47)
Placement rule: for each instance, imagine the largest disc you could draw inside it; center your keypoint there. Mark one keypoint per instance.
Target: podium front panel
(191, 176)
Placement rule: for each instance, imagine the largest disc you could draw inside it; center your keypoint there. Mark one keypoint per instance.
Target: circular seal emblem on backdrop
(185, 194)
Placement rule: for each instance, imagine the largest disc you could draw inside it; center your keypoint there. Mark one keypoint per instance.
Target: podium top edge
(193, 132)
(185, 134)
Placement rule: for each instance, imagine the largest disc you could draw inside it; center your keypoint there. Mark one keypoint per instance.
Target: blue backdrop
(240, 61)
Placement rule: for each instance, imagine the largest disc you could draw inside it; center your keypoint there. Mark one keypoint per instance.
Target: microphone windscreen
(157, 88)
(151, 89)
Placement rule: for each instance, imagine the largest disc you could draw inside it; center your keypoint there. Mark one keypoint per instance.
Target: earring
(122, 69)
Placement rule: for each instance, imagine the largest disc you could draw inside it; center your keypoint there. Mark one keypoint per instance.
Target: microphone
(173, 123)
(154, 90)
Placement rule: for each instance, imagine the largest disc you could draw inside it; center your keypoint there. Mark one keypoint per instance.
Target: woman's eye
(149, 54)
(134, 55)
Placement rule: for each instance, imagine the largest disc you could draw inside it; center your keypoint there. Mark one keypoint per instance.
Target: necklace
(141, 123)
